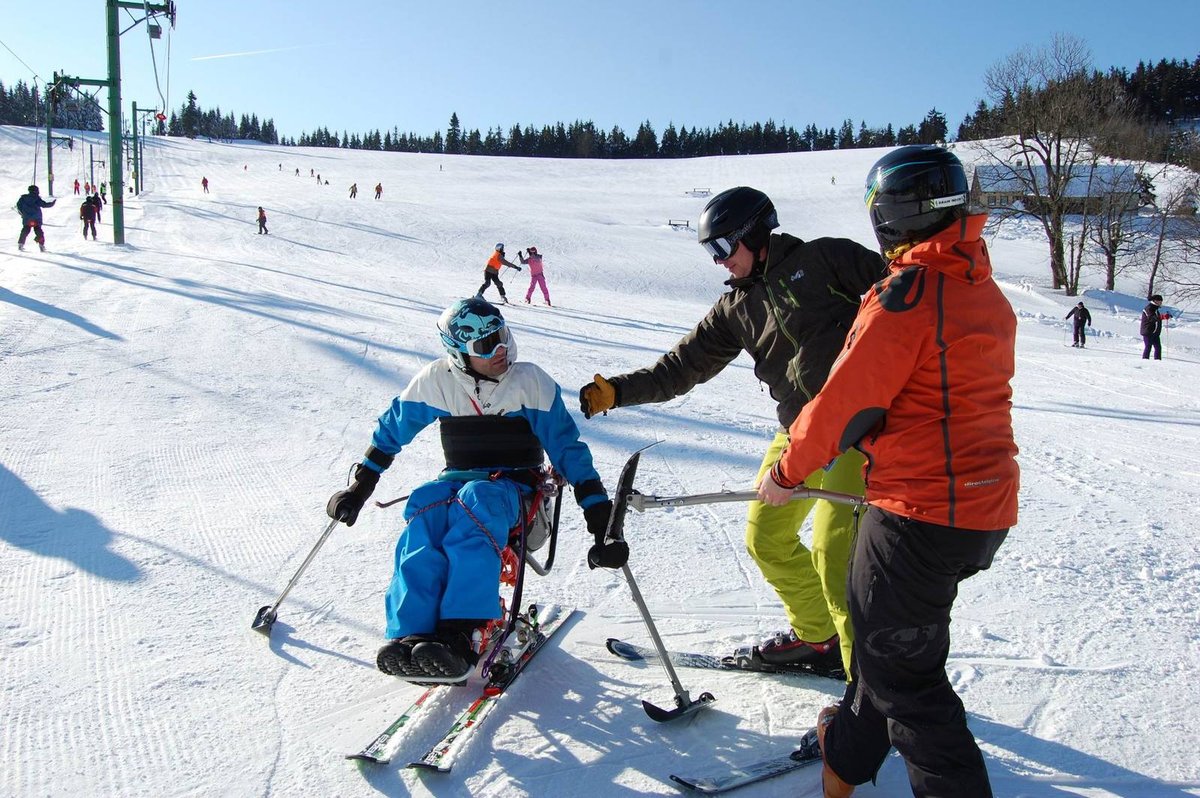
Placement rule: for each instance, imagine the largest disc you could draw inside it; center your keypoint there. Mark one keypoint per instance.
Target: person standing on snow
(378, 190)
(87, 212)
(1082, 318)
(262, 221)
(1151, 327)
(77, 185)
(30, 207)
(789, 307)
(499, 419)
(98, 204)
(922, 386)
(536, 277)
(353, 190)
(204, 184)
(491, 273)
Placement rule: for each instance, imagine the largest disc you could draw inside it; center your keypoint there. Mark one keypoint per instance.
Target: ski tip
(622, 649)
(367, 759)
(427, 767)
(702, 786)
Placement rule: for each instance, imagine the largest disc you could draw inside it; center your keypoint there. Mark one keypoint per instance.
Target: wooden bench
(680, 224)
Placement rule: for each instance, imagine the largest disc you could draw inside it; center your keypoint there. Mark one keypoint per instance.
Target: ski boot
(786, 651)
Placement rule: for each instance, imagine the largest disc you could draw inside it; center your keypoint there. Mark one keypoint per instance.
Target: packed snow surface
(176, 411)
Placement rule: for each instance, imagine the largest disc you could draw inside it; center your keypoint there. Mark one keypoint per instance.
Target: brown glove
(598, 397)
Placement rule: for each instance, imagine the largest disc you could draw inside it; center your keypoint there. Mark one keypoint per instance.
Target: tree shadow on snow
(73, 535)
(52, 312)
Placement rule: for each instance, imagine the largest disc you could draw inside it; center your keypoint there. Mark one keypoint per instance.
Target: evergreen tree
(845, 139)
(932, 129)
(454, 135)
(189, 117)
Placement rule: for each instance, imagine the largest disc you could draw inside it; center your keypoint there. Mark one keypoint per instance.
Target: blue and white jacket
(525, 390)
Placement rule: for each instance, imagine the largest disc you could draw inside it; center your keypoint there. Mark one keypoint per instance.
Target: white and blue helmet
(474, 327)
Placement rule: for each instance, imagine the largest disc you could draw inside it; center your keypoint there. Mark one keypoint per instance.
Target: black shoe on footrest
(395, 656)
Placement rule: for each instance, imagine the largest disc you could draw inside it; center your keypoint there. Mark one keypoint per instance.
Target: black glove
(610, 554)
(345, 505)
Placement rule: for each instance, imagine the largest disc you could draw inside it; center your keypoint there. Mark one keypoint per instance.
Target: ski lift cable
(166, 100)
(37, 126)
(36, 76)
(153, 59)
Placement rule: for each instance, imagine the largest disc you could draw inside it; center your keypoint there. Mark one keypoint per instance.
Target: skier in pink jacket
(536, 278)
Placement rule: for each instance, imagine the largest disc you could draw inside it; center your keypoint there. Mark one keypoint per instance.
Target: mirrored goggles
(721, 248)
(487, 346)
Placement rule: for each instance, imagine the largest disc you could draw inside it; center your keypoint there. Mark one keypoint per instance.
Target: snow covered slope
(175, 412)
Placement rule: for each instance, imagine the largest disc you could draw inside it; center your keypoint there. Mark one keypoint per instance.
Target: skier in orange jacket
(921, 387)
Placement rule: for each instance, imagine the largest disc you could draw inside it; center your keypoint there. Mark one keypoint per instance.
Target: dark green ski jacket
(792, 318)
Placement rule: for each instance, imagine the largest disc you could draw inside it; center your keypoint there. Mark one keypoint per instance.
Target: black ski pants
(36, 227)
(1080, 335)
(489, 277)
(904, 577)
(1153, 343)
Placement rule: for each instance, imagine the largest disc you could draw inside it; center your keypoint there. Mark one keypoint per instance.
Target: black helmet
(33, 189)
(914, 192)
(736, 214)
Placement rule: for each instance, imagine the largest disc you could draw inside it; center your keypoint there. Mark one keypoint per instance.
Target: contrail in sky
(249, 52)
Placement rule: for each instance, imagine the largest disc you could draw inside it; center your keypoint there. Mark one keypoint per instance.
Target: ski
(808, 753)
(378, 751)
(507, 667)
(743, 659)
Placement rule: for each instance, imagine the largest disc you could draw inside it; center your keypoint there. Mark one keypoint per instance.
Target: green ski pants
(811, 584)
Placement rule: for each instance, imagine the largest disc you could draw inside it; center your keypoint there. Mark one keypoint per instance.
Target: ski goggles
(721, 248)
(487, 346)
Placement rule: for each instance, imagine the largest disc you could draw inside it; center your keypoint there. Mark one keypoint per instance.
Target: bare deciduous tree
(1171, 256)
(1055, 107)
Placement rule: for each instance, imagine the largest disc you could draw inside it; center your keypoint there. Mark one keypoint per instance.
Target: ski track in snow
(176, 412)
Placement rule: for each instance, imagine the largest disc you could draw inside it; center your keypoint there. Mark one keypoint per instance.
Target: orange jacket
(495, 262)
(922, 388)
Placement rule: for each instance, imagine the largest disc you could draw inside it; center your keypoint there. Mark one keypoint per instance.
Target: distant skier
(77, 186)
(378, 190)
(98, 204)
(87, 212)
(1082, 317)
(262, 221)
(536, 276)
(30, 207)
(204, 184)
(1151, 327)
(353, 190)
(491, 273)
(104, 193)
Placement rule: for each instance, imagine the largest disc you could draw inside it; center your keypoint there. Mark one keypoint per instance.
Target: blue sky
(363, 65)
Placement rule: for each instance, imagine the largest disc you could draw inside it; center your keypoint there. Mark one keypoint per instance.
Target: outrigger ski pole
(684, 705)
(628, 497)
(266, 615)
